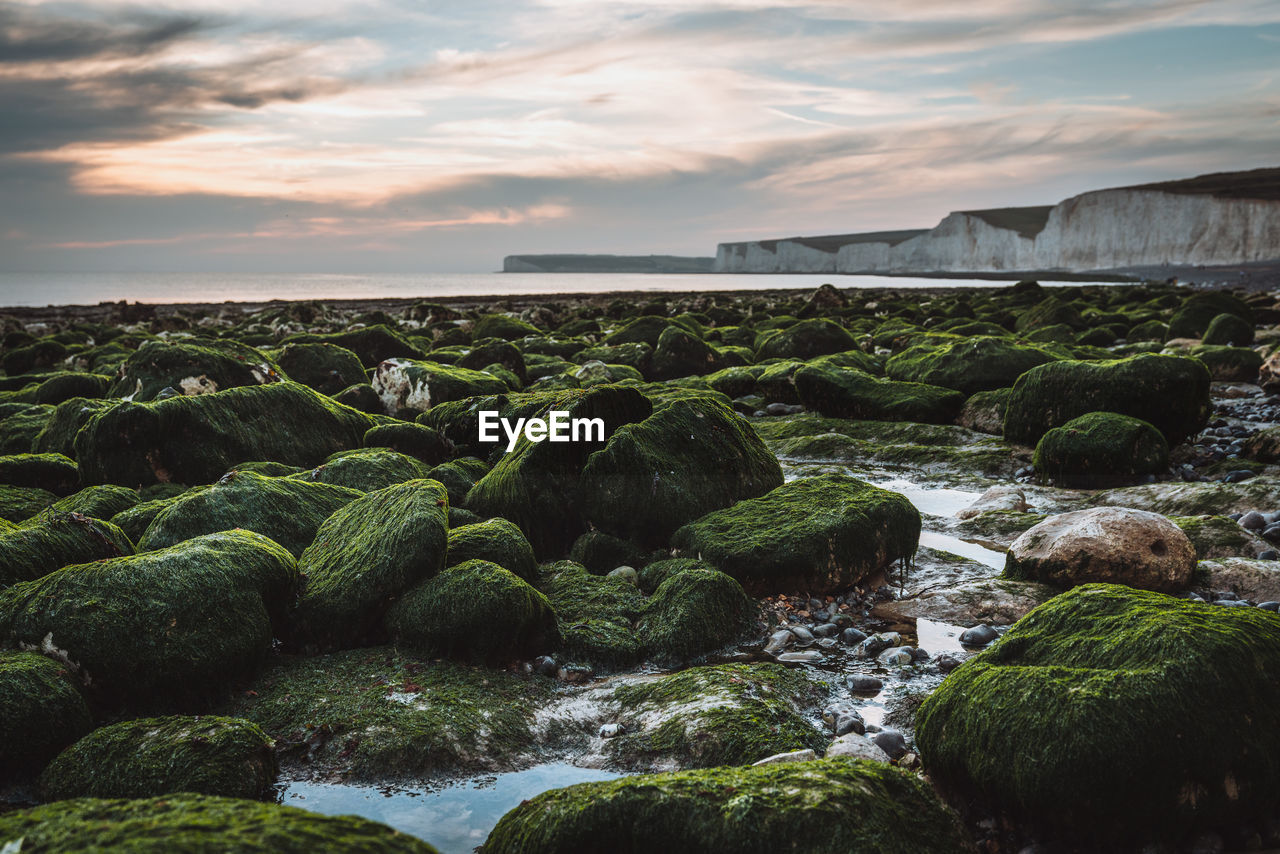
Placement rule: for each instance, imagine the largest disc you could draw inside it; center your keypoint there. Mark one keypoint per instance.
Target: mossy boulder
(1050, 311)
(817, 534)
(192, 822)
(1220, 537)
(20, 424)
(597, 615)
(327, 368)
(100, 502)
(148, 757)
(1230, 364)
(680, 353)
(646, 329)
(502, 326)
(1169, 392)
(475, 611)
(366, 469)
(364, 556)
(602, 553)
(805, 340)
(372, 344)
(497, 541)
(53, 472)
(1188, 691)
(821, 807)
(369, 713)
(851, 393)
(69, 384)
(19, 503)
(414, 440)
(1200, 309)
(1101, 449)
(197, 439)
(288, 511)
(192, 367)
(1224, 329)
(694, 611)
(164, 630)
(55, 539)
(41, 712)
(135, 520)
(984, 411)
(969, 365)
(407, 384)
(40, 355)
(691, 456)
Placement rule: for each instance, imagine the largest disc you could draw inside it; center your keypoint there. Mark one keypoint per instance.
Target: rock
(288, 511)
(199, 366)
(1001, 497)
(999, 601)
(1101, 449)
(626, 573)
(612, 730)
(41, 712)
(98, 502)
(693, 612)
(185, 623)
(898, 656)
(475, 611)
(1109, 544)
(497, 541)
(1253, 579)
(779, 641)
(55, 539)
(878, 643)
(408, 384)
(979, 635)
(852, 636)
(855, 746)
(372, 344)
(806, 755)
(1229, 364)
(984, 411)
(851, 393)
(1169, 392)
(597, 615)
(365, 469)
(53, 472)
(189, 821)
(1192, 499)
(891, 742)
(148, 757)
(805, 340)
(820, 533)
(680, 353)
(414, 440)
(803, 807)
(197, 439)
(366, 555)
(863, 684)
(969, 365)
(58, 434)
(327, 368)
(807, 657)
(1105, 670)
(1218, 536)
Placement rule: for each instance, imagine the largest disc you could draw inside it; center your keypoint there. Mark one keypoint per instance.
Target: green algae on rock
(1169, 392)
(372, 344)
(832, 806)
(196, 439)
(191, 367)
(818, 534)
(19, 503)
(474, 611)
(414, 385)
(59, 433)
(1101, 449)
(192, 822)
(53, 472)
(367, 714)
(495, 540)
(696, 609)
(1189, 691)
(56, 539)
(364, 556)
(597, 615)
(969, 365)
(170, 629)
(414, 440)
(147, 757)
(41, 712)
(851, 393)
(286, 510)
(327, 368)
(805, 340)
(1229, 364)
(100, 502)
(1228, 329)
(365, 469)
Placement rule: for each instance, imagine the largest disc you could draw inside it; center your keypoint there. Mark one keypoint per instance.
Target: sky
(403, 136)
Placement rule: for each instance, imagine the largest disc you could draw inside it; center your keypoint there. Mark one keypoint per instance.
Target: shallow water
(91, 288)
(455, 817)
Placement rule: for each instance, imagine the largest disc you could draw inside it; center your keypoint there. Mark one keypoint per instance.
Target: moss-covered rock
(288, 511)
(602, 553)
(597, 615)
(53, 472)
(69, 384)
(695, 610)
(1219, 537)
(824, 807)
(148, 757)
(817, 534)
(40, 355)
(20, 424)
(497, 541)
(1050, 311)
(327, 368)
(850, 393)
(192, 822)
(159, 630)
(58, 436)
(804, 340)
(406, 384)
(19, 503)
(646, 329)
(680, 353)
(372, 344)
(41, 712)
(100, 502)
(1200, 309)
(1228, 329)
(969, 365)
(688, 458)
(364, 556)
(135, 520)
(1031, 727)
(56, 539)
(502, 326)
(369, 713)
(984, 411)
(414, 440)
(197, 439)
(1169, 392)
(362, 398)
(1230, 364)
(192, 367)
(1101, 449)
(366, 469)
(475, 611)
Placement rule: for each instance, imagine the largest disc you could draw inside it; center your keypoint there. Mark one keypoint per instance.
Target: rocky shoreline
(849, 570)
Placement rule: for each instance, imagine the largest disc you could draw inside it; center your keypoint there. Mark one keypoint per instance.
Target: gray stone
(854, 746)
(891, 742)
(794, 756)
(979, 635)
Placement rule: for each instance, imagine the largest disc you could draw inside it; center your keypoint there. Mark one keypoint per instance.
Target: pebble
(805, 755)
(808, 657)
(1269, 554)
(947, 662)
(612, 730)
(1269, 606)
(627, 574)
(545, 665)
(803, 636)
(777, 409)
(1253, 521)
(852, 636)
(778, 641)
(1232, 603)
(854, 746)
(1225, 594)
(826, 630)
(846, 724)
(1237, 476)
(1272, 532)
(897, 656)
(863, 684)
(891, 742)
(828, 643)
(979, 635)
(878, 643)
(575, 673)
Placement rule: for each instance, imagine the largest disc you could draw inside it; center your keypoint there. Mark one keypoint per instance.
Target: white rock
(854, 746)
(996, 498)
(794, 756)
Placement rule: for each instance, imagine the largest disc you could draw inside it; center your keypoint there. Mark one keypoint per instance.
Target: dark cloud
(35, 35)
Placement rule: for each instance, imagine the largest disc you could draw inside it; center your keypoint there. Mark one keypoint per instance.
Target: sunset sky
(389, 135)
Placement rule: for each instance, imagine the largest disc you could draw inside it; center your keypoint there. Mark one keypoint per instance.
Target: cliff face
(1180, 223)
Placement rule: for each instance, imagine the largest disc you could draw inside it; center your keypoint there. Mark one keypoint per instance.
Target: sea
(42, 289)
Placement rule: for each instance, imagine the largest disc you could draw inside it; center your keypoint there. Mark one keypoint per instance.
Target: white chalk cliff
(1230, 218)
